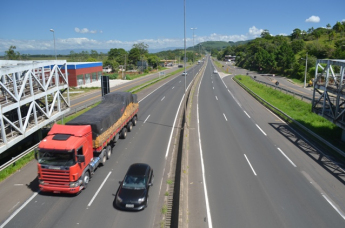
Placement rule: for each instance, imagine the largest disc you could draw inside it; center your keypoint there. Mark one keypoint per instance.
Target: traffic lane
(326, 174)
(278, 169)
(149, 148)
(235, 199)
(59, 210)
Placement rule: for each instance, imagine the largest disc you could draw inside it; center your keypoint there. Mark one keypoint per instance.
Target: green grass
(296, 109)
(164, 209)
(16, 166)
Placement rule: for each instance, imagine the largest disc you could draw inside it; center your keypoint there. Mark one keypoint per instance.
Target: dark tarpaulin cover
(106, 113)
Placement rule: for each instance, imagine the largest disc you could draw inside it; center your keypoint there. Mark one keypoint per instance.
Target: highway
(148, 142)
(247, 168)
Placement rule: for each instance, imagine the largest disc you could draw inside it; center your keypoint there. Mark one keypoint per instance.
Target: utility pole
(305, 73)
(193, 42)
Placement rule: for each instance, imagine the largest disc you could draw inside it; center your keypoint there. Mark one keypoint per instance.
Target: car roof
(137, 169)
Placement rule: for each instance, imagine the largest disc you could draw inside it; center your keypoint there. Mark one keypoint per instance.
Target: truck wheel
(129, 126)
(123, 133)
(134, 120)
(108, 151)
(116, 138)
(104, 158)
(86, 179)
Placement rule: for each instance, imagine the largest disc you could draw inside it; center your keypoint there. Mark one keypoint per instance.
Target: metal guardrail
(13, 160)
(286, 90)
(291, 119)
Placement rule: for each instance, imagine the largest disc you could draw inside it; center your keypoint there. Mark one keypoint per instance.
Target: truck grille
(55, 178)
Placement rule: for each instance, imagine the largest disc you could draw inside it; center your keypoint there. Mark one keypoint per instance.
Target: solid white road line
(286, 157)
(18, 210)
(225, 117)
(163, 98)
(146, 119)
(99, 189)
(261, 130)
(246, 113)
(216, 98)
(250, 164)
(335, 208)
(208, 211)
(213, 87)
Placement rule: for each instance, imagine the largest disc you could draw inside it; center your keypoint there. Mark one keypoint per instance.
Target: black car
(133, 192)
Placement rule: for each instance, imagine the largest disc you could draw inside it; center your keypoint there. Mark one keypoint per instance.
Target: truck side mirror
(80, 158)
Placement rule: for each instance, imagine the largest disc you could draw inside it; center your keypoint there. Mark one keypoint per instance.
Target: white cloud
(343, 20)
(85, 30)
(313, 19)
(254, 32)
(86, 43)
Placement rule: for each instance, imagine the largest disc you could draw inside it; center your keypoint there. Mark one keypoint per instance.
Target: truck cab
(64, 159)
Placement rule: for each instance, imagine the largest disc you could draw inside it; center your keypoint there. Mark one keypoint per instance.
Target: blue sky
(105, 24)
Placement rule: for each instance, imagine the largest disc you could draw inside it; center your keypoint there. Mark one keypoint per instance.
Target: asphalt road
(148, 142)
(252, 170)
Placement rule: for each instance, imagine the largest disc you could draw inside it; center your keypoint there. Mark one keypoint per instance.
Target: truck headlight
(75, 184)
(140, 200)
(41, 182)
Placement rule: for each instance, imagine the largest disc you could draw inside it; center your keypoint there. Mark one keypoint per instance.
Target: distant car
(133, 192)
(184, 73)
(215, 71)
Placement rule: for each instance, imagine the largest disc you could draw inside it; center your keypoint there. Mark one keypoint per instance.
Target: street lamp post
(193, 41)
(52, 30)
(305, 72)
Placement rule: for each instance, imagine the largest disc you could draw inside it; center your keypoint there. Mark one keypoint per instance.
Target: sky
(105, 24)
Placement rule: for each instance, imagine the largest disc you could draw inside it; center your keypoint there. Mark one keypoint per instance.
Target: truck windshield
(56, 158)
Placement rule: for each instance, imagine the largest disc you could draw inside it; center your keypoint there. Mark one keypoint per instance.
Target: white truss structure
(329, 90)
(32, 95)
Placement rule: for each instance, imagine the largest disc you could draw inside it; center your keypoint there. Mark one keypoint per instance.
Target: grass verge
(16, 166)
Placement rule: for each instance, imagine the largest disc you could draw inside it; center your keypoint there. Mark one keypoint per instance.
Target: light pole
(305, 72)
(193, 41)
(184, 59)
(52, 30)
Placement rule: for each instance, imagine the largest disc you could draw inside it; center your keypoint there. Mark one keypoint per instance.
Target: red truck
(69, 155)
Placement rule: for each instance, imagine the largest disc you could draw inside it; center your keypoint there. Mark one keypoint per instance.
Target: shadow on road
(323, 159)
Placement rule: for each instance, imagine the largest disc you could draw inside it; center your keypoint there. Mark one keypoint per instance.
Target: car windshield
(134, 182)
(56, 158)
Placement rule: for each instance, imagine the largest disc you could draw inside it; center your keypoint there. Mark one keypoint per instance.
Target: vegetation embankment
(286, 55)
(298, 110)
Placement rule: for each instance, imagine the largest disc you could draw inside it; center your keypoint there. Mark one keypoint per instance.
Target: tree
(265, 34)
(297, 46)
(94, 54)
(339, 27)
(117, 54)
(143, 48)
(331, 35)
(11, 54)
(296, 33)
(134, 56)
(328, 26)
(317, 34)
(285, 56)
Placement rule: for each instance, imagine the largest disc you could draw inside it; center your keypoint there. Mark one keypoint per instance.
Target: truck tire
(134, 120)
(123, 133)
(108, 151)
(86, 179)
(129, 126)
(116, 137)
(104, 157)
